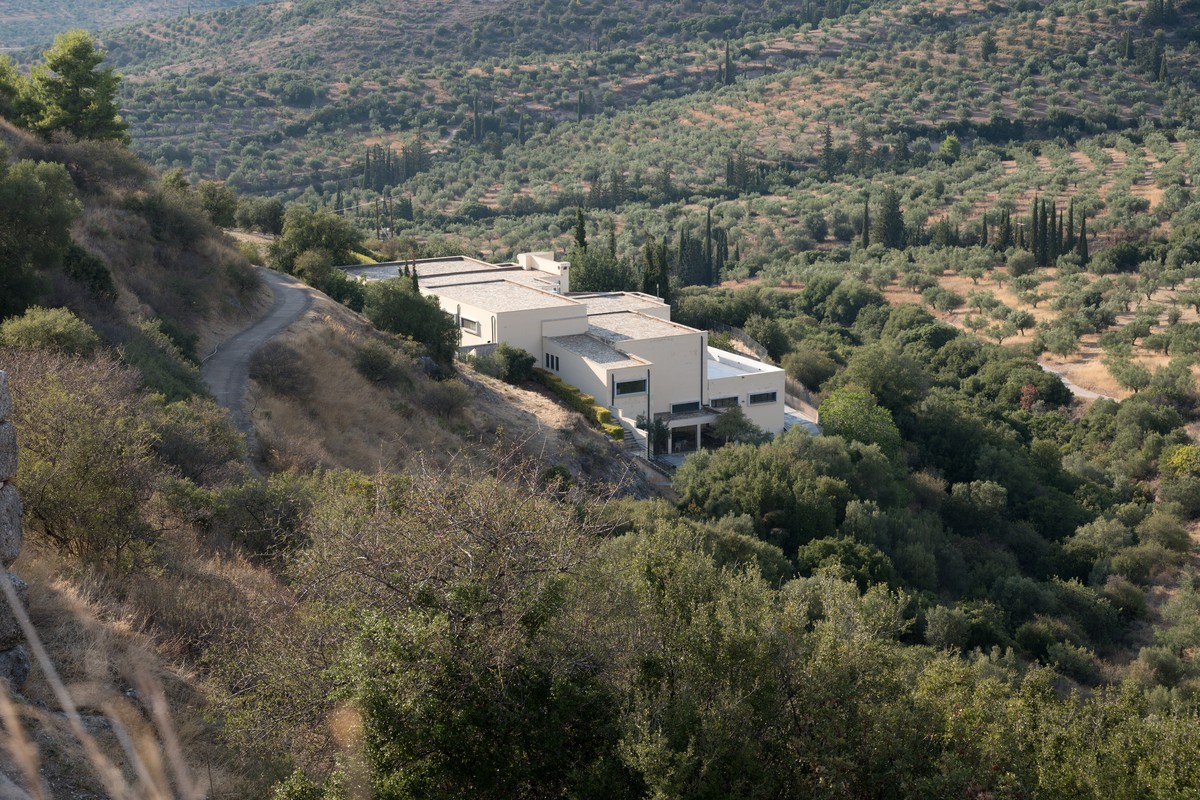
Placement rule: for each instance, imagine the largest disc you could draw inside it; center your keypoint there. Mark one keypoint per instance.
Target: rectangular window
(683, 408)
(762, 397)
(631, 387)
(552, 362)
(723, 402)
(469, 325)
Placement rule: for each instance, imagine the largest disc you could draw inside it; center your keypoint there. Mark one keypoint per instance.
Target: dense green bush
(49, 328)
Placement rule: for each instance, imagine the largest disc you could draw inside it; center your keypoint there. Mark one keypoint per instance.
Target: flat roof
(723, 364)
(608, 302)
(426, 267)
(499, 295)
(596, 351)
(621, 326)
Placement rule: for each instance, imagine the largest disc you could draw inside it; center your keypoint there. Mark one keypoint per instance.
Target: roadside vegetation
(973, 584)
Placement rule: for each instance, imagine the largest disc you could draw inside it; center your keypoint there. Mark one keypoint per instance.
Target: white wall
(768, 416)
(524, 328)
(578, 372)
(485, 318)
(678, 369)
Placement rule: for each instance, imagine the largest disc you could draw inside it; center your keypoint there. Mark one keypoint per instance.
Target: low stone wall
(14, 659)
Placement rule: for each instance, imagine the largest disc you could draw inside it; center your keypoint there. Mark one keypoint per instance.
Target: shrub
(90, 272)
(1073, 661)
(50, 329)
(277, 369)
(446, 398)
(585, 404)
(511, 364)
(250, 251)
(198, 438)
(376, 362)
(947, 628)
(243, 278)
(164, 367)
(87, 463)
(1140, 562)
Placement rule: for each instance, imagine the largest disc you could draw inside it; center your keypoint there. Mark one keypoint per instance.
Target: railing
(797, 394)
(742, 338)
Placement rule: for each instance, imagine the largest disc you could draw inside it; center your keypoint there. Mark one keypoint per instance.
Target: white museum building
(620, 347)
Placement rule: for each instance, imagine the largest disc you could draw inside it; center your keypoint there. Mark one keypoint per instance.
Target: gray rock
(8, 451)
(10, 524)
(10, 630)
(5, 397)
(14, 667)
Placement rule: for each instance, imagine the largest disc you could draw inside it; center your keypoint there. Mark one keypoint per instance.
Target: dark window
(469, 325)
(631, 387)
(552, 362)
(683, 408)
(762, 397)
(723, 402)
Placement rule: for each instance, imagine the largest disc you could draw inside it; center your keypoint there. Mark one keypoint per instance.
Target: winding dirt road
(226, 371)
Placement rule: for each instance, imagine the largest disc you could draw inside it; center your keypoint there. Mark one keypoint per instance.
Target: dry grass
(119, 653)
(347, 421)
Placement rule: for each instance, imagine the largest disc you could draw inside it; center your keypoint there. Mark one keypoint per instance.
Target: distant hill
(32, 23)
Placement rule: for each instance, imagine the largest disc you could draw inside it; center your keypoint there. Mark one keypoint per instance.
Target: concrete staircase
(635, 440)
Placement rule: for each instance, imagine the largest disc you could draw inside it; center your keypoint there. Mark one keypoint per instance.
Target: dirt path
(1078, 391)
(226, 370)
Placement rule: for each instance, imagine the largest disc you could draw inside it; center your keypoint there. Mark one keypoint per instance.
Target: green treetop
(69, 92)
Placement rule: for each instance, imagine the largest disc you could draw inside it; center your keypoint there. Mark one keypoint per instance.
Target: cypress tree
(1052, 235)
(866, 222)
(728, 66)
(983, 236)
(708, 246)
(1060, 238)
(1083, 245)
(1069, 244)
(1004, 237)
(416, 285)
(580, 230)
(828, 164)
(612, 237)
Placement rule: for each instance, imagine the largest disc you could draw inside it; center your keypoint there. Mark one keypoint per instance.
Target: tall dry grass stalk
(145, 752)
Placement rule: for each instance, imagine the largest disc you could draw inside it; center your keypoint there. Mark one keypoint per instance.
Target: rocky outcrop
(14, 659)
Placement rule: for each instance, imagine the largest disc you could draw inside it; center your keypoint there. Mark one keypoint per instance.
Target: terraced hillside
(29, 23)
